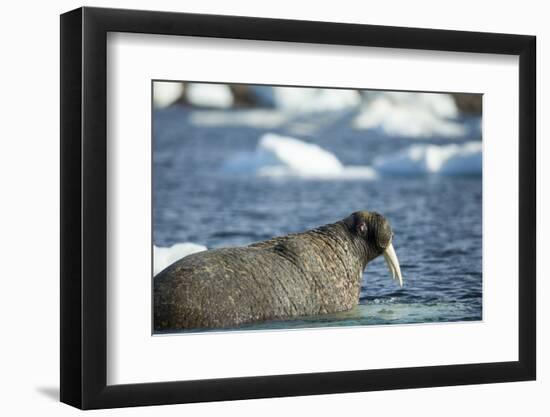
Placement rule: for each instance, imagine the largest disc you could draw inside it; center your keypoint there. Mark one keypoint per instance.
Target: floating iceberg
(281, 156)
(454, 159)
(310, 100)
(164, 257)
(166, 93)
(209, 95)
(417, 115)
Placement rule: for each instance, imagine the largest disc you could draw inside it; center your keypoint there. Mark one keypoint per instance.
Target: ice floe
(415, 115)
(166, 93)
(281, 156)
(309, 100)
(166, 256)
(453, 159)
(209, 95)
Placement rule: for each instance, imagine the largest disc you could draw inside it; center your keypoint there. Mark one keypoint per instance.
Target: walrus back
(296, 275)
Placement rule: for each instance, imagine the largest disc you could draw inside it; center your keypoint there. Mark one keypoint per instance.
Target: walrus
(303, 274)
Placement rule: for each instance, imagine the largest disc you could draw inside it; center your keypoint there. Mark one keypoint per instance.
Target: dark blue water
(436, 219)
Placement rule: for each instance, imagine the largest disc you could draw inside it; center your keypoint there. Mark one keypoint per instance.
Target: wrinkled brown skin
(310, 273)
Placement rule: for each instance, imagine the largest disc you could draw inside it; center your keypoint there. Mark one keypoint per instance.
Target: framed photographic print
(258, 207)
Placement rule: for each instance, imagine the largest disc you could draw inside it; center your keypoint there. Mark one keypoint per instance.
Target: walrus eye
(362, 228)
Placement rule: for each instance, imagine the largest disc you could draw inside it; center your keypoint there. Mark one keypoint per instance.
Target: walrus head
(376, 235)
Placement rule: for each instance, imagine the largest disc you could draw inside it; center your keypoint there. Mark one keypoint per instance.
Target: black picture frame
(84, 207)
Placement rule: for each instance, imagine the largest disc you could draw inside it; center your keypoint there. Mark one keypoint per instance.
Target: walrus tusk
(393, 263)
